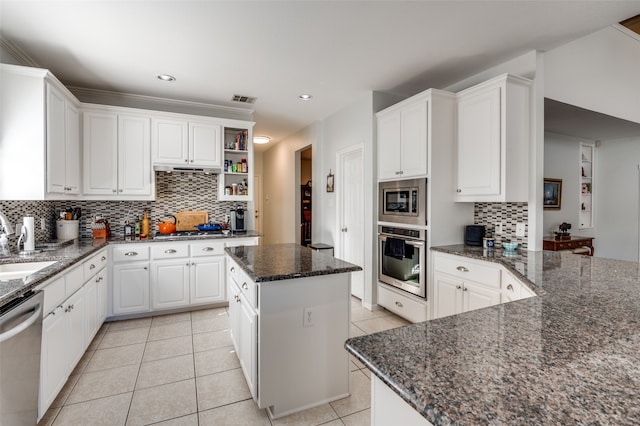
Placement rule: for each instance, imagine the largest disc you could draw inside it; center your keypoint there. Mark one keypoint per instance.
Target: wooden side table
(573, 242)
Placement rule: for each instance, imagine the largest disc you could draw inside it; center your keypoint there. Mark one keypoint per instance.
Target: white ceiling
(275, 50)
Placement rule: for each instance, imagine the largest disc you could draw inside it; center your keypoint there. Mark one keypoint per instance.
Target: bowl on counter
(510, 246)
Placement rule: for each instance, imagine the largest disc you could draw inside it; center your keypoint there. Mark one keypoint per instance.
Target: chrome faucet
(5, 230)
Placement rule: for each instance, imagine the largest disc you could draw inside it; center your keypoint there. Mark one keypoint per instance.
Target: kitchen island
(567, 356)
(289, 308)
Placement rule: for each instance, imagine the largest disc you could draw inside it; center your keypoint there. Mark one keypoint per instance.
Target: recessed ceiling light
(166, 77)
(261, 139)
(305, 97)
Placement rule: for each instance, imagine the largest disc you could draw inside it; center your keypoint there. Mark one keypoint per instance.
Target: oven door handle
(415, 243)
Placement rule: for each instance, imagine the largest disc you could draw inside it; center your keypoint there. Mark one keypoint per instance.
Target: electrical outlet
(497, 230)
(519, 229)
(308, 319)
(43, 224)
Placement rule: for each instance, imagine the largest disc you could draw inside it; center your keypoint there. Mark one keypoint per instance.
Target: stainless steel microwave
(403, 201)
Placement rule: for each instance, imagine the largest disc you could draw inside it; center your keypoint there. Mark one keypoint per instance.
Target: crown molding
(18, 53)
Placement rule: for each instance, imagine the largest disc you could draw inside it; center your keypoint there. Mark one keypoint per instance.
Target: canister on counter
(488, 242)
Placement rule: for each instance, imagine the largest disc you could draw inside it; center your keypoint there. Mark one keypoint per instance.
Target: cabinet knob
(193, 263)
(462, 269)
(344, 229)
(187, 263)
(208, 249)
(186, 161)
(458, 190)
(464, 289)
(103, 258)
(399, 305)
(170, 251)
(458, 287)
(119, 190)
(192, 161)
(113, 190)
(92, 266)
(510, 287)
(233, 269)
(131, 253)
(145, 268)
(245, 286)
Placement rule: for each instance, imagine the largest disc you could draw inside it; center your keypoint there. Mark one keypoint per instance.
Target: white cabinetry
(117, 154)
(462, 285)
(513, 289)
(402, 140)
(73, 313)
(493, 141)
(63, 143)
(388, 408)
(130, 279)
(238, 146)
(40, 131)
(187, 143)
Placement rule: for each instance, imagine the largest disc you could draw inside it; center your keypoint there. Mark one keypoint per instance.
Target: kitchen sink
(16, 271)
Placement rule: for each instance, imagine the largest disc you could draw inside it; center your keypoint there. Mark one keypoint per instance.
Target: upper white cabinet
(63, 143)
(39, 134)
(186, 142)
(493, 141)
(117, 154)
(402, 140)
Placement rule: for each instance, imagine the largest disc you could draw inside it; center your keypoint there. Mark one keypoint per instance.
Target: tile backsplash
(174, 192)
(488, 214)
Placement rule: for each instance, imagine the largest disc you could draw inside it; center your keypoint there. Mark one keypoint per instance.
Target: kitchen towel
(394, 247)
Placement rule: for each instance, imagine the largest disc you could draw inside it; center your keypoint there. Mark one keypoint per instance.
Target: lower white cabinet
(130, 288)
(207, 280)
(72, 318)
(402, 304)
(169, 284)
(388, 408)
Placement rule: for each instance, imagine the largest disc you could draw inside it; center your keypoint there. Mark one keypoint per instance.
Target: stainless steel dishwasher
(20, 340)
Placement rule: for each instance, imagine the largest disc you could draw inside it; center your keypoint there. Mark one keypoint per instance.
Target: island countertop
(568, 356)
(286, 261)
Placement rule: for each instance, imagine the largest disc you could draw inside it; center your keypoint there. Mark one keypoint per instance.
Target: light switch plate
(520, 229)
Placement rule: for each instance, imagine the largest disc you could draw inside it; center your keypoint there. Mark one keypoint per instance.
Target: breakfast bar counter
(568, 356)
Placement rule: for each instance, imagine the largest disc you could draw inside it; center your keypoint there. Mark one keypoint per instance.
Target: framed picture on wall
(552, 194)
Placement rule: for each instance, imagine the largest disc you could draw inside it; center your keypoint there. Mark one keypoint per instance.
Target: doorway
(305, 204)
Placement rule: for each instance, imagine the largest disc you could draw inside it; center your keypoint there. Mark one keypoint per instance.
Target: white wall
(616, 191)
(281, 186)
(562, 161)
(599, 72)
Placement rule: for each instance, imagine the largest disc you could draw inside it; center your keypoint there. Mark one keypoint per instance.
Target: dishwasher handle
(37, 313)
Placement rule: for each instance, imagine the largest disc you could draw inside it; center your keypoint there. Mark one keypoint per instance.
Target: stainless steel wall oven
(402, 260)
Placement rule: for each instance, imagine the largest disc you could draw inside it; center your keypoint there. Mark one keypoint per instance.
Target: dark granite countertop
(567, 356)
(64, 257)
(286, 261)
(68, 255)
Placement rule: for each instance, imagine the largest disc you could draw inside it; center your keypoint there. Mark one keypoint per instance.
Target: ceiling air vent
(243, 99)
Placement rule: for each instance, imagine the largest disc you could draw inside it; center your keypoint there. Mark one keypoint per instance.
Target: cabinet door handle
(103, 258)
(92, 266)
(120, 190)
(465, 289)
(193, 263)
(399, 305)
(145, 268)
(462, 269)
(245, 286)
(208, 249)
(131, 253)
(458, 287)
(233, 269)
(170, 251)
(186, 161)
(510, 287)
(458, 190)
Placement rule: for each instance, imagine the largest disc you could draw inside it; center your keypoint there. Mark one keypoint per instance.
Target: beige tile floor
(180, 369)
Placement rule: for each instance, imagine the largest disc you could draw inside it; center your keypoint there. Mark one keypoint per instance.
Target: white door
(350, 193)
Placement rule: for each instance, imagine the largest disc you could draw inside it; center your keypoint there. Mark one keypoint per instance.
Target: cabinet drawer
(402, 305)
(206, 248)
(54, 295)
(169, 251)
(94, 264)
(467, 269)
(130, 253)
(247, 287)
(73, 280)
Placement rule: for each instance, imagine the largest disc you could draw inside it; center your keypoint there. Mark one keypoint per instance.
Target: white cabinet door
(413, 137)
(207, 280)
(248, 345)
(234, 313)
(389, 145)
(170, 141)
(134, 155)
(130, 288)
(205, 146)
(101, 296)
(91, 300)
(56, 141)
(169, 283)
(476, 296)
(100, 153)
(72, 149)
(479, 143)
(76, 307)
(447, 295)
(53, 362)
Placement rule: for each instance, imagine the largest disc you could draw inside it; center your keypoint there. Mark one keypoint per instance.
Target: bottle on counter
(144, 230)
(128, 231)
(137, 228)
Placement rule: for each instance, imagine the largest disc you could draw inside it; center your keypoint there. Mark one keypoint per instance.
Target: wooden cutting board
(188, 220)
